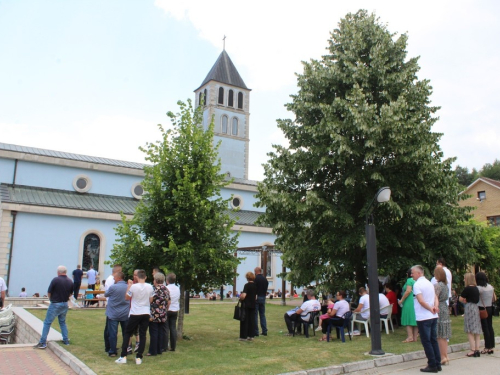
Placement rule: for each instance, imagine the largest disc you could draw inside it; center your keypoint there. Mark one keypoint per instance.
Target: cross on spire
(224, 43)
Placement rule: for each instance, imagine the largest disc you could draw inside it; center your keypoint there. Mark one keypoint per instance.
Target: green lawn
(214, 347)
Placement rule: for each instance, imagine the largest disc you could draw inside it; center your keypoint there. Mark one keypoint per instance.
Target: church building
(62, 208)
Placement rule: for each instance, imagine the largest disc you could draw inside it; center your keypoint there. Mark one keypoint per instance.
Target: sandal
(322, 339)
(490, 351)
(408, 340)
(484, 351)
(472, 353)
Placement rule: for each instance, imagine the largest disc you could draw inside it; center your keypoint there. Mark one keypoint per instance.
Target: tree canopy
(182, 223)
(363, 120)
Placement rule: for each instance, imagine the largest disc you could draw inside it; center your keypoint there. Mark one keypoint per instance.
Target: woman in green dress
(408, 314)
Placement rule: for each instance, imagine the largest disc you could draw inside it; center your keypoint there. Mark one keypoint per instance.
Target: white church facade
(62, 208)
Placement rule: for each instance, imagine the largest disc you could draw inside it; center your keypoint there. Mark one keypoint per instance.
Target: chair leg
(306, 330)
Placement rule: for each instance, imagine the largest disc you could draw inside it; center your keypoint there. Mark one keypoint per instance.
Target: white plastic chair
(387, 320)
(365, 322)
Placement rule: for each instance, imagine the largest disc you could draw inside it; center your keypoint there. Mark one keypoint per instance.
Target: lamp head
(384, 195)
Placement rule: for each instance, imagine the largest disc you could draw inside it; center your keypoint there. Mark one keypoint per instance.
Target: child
(326, 316)
(23, 293)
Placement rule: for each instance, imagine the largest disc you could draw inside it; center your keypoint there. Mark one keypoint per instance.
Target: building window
(82, 183)
(200, 99)
(240, 100)
(230, 98)
(91, 250)
(137, 190)
(494, 220)
(224, 124)
(221, 95)
(481, 195)
(235, 126)
(236, 202)
(205, 97)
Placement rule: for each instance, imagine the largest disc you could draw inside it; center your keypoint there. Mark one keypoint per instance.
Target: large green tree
(363, 120)
(491, 170)
(182, 223)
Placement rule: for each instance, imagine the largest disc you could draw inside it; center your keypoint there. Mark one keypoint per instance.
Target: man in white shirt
(172, 313)
(303, 313)
(426, 308)
(91, 278)
(442, 263)
(141, 295)
(383, 302)
(3, 289)
(363, 309)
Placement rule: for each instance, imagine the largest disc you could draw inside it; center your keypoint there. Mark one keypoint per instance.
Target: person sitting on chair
(303, 313)
(362, 312)
(340, 308)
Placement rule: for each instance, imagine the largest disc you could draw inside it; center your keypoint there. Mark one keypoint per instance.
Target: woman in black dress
(248, 297)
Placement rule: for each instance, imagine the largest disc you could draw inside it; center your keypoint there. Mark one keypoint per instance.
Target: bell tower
(225, 97)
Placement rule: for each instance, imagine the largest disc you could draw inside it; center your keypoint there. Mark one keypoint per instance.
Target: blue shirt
(118, 307)
(77, 275)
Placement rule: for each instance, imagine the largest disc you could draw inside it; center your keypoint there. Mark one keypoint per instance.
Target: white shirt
(140, 294)
(175, 294)
(426, 289)
(365, 300)
(3, 286)
(109, 281)
(384, 304)
(342, 306)
(448, 281)
(91, 274)
(308, 306)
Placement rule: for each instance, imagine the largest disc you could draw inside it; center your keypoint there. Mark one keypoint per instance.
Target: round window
(237, 202)
(82, 183)
(137, 191)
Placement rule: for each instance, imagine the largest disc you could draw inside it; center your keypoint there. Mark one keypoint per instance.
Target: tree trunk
(180, 321)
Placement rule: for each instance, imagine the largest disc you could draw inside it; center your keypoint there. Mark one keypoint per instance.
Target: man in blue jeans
(117, 310)
(59, 292)
(426, 308)
(260, 304)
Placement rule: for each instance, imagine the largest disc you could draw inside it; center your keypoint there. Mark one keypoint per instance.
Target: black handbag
(239, 312)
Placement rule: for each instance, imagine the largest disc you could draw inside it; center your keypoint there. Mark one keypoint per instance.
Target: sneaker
(66, 342)
(136, 347)
(121, 360)
(40, 346)
(138, 361)
(129, 350)
(318, 329)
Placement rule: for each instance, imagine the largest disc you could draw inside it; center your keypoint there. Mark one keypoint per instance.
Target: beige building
(485, 197)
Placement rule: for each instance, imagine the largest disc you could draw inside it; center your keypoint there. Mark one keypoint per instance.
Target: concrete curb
(386, 360)
(76, 365)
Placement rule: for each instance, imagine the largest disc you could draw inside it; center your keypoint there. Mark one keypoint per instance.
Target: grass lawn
(214, 348)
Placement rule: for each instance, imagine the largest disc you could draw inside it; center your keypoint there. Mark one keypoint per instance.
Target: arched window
(235, 126)
(224, 124)
(221, 95)
(240, 100)
(230, 98)
(91, 250)
(200, 99)
(205, 101)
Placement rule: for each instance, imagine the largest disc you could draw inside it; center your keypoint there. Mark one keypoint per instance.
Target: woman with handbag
(472, 323)
(486, 299)
(248, 297)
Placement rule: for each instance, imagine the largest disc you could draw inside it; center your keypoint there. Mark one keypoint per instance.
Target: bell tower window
(224, 125)
(230, 98)
(235, 126)
(240, 100)
(221, 95)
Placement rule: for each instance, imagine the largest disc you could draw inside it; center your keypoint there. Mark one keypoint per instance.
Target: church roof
(70, 156)
(36, 196)
(224, 71)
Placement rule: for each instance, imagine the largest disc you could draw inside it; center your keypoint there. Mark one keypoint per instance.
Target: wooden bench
(85, 300)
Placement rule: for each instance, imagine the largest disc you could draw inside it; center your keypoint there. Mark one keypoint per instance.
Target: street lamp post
(382, 196)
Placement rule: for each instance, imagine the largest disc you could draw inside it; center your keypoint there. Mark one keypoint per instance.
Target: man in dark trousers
(77, 280)
(60, 289)
(260, 304)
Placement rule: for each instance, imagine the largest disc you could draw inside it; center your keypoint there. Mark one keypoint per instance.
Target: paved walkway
(23, 359)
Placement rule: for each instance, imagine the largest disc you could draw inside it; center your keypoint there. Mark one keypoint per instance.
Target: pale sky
(95, 77)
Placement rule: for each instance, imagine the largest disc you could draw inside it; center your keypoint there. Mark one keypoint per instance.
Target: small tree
(182, 223)
(363, 120)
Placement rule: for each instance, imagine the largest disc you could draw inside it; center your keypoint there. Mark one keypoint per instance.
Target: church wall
(230, 114)
(232, 156)
(43, 242)
(6, 170)
(60, 177)
(247, 196)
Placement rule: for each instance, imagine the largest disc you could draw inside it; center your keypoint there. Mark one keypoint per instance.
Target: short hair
(481, 279)
(418, 268)
(23, 289)
(78, 266)
(470, 279)
(171, 278)
(440, 275)
(141, 274)
(258, 270)
(120, 275)
(442, 261)
(117, 267)
(159, 278)
(389, 286)
(362, 290)
(342, 293)
(156, 269)
(250, 276)
(62, 269)
(310, 292)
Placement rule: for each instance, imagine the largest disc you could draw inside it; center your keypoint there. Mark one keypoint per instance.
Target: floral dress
(161, 296)
(444, 322)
